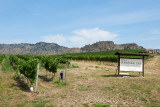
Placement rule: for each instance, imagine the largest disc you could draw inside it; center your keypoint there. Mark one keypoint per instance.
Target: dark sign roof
(132, 54)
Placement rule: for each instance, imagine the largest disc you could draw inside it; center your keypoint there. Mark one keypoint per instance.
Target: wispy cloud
(79, 38)
(134, 17)
(123, 18)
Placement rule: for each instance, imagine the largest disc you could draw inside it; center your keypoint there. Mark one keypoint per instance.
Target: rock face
(42, 48)
(109, 45)
(25, 48)
(99, 46)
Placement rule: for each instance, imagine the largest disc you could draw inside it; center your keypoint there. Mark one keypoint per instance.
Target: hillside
(42, 48)
(109, 45)
(25, 48)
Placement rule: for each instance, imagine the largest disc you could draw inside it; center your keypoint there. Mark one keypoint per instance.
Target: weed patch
(9, 98)
(74, 66)
(40, 103)
(60, 84)
(85, 105)
(83, 88)
(143, 99)
(101, 105)
(135, 87)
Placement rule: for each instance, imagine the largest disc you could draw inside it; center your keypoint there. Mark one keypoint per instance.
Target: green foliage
(102, 56)
(53, 65)
(26, 64)
(50, 64)
(1, 58)
(29, 69)
(6, 66)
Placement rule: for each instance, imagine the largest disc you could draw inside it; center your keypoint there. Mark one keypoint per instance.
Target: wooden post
(37, 77)
(118, 64)
(143, 67)
(66, 73)
(71, 63)
(46, 73)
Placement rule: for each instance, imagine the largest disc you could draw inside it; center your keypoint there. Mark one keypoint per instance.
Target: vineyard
(89, 82)
(102, 56)
(1, 58)
(26, 65)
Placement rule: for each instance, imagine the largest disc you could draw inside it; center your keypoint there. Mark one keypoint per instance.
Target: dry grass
(92, 84)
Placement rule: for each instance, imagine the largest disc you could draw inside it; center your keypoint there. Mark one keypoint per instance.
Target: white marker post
(37, 77)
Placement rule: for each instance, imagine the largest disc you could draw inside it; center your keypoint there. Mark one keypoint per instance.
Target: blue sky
(75, 23)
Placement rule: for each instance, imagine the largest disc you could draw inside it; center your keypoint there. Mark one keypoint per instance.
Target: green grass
(57, 84)
(135, 87)
(109, 88)
(6, 66)
(22, 96)
(51, 105)
(74, 66)
(85, 105)
(9, 98)
(84, 88)
(143, 99)
(40, 103)
(101, 105)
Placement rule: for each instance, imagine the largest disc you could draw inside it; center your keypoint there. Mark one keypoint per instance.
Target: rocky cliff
(109, 45)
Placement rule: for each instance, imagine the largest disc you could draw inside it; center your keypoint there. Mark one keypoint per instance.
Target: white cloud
(95, 34)
(59, 39)
(82, 37)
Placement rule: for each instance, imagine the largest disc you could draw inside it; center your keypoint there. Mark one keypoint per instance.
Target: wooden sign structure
(131, 65)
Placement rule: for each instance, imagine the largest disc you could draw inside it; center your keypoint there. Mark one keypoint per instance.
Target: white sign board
(135, 65)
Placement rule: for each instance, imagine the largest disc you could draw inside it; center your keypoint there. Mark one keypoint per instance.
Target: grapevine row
(28, 68)
(102, 56)
(1, 58)
(27, 64)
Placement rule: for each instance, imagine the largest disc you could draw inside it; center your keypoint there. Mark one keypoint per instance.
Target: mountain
(109, 45)
(42, 48)
(25, 48)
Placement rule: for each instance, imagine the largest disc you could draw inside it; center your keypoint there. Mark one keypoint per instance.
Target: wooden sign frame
(131, 54)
